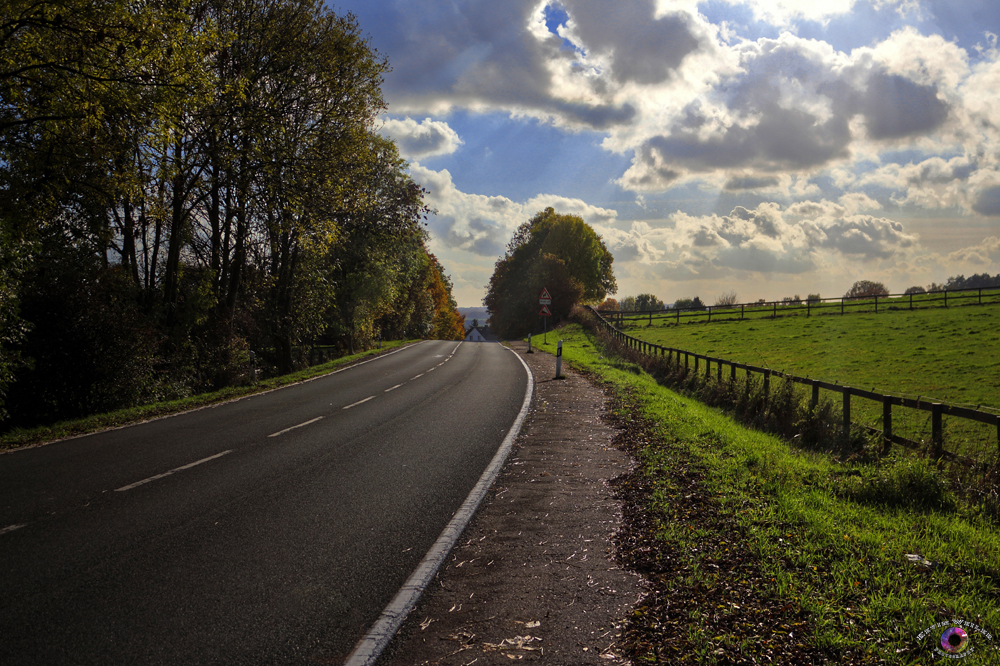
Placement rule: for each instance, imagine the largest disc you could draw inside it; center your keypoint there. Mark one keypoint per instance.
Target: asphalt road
(271, 530)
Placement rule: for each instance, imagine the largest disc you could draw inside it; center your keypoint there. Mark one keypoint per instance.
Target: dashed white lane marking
(176, 469)
(431, 369)
(392, 388)
(355, 404)
(417, 377)
(282, 432)
(11, 528)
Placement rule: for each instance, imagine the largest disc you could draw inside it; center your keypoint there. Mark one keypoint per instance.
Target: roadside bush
(909, 483)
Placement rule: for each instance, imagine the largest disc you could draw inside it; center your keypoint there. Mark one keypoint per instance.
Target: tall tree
(560, 252)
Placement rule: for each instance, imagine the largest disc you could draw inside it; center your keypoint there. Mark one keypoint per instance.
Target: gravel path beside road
(533, 577)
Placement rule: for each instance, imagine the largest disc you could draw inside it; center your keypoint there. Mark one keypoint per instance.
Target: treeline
(184, 183)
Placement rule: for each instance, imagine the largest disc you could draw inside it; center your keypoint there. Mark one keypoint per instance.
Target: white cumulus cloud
(428, 138)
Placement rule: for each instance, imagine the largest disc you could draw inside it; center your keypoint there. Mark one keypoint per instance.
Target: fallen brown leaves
(708, 599)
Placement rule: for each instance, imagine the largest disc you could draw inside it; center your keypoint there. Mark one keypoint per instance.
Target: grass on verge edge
(21, 437)
(829, 541)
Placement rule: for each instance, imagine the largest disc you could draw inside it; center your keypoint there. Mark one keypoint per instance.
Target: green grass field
(948, 355)
(789, 552)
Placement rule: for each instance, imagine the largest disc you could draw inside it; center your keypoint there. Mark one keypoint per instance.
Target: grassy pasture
(777, 555)
(942, 354)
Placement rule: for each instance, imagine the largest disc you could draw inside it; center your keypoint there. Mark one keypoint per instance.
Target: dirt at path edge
(533, 577)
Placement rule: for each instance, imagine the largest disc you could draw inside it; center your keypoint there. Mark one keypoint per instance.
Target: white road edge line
(392, 388)
(11, 528)
(176, 469)
(368, 649)
(355, 404)
(282, 432)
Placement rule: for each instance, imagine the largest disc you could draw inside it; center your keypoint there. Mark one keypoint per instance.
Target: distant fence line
(937, 409)
(836, 305)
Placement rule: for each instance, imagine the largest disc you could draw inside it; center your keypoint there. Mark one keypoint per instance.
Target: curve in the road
(370, 647)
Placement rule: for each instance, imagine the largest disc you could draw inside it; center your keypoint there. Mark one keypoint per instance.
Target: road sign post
(545, 300)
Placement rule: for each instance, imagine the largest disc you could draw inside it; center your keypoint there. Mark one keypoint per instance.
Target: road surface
(270, 530)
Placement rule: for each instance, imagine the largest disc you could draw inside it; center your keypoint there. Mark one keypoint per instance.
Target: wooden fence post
(678, 316)
(847, 411)
(685, 360)
(741, 311)
(911, 301)
(815, 395)
(886, 424)
(876, 303)
(732, 379)
(946, 298)
(767, 383)
(841, 305)
(774, 315)
(937, 434)
(719, 366)
(708, 368)
(696, 364)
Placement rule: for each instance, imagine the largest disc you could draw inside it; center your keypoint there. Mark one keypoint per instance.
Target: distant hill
(480, 313)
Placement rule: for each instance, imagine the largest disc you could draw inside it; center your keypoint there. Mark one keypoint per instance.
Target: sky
(768, 147)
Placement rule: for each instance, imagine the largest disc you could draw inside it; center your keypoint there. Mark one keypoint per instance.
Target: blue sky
(768, 147)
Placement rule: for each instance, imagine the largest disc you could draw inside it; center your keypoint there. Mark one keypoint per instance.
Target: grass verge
(21, 437)
(759, 553)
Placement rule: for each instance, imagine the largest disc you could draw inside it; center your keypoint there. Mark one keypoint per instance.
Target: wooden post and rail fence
(937, 409)
(814, 307)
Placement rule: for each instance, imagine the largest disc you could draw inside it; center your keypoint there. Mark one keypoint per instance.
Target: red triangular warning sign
(545, 312)
(545, 293)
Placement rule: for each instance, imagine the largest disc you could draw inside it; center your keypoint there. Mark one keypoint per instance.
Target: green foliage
(641, 303)
(909, 483)
(559, 252)
(689, 304)
(866, 289)
(185, 182)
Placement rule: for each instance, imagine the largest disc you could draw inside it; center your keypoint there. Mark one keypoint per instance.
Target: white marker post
(559, 360)
(529, 344)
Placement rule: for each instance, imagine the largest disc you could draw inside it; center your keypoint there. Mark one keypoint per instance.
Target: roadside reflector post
(529, 344)
(559, 360)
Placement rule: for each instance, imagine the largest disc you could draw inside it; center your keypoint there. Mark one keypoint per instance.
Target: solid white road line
(11, 528)
(282, 432)
(368, 649)
(392, 388)
(176, 469)
(371, 397)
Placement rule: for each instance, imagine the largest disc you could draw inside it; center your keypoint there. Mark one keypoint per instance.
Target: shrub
(912, 483)
(866, 289)
(726, 300)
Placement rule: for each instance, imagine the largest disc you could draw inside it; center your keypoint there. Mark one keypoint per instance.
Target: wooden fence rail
(937, 409)
(838, 305)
